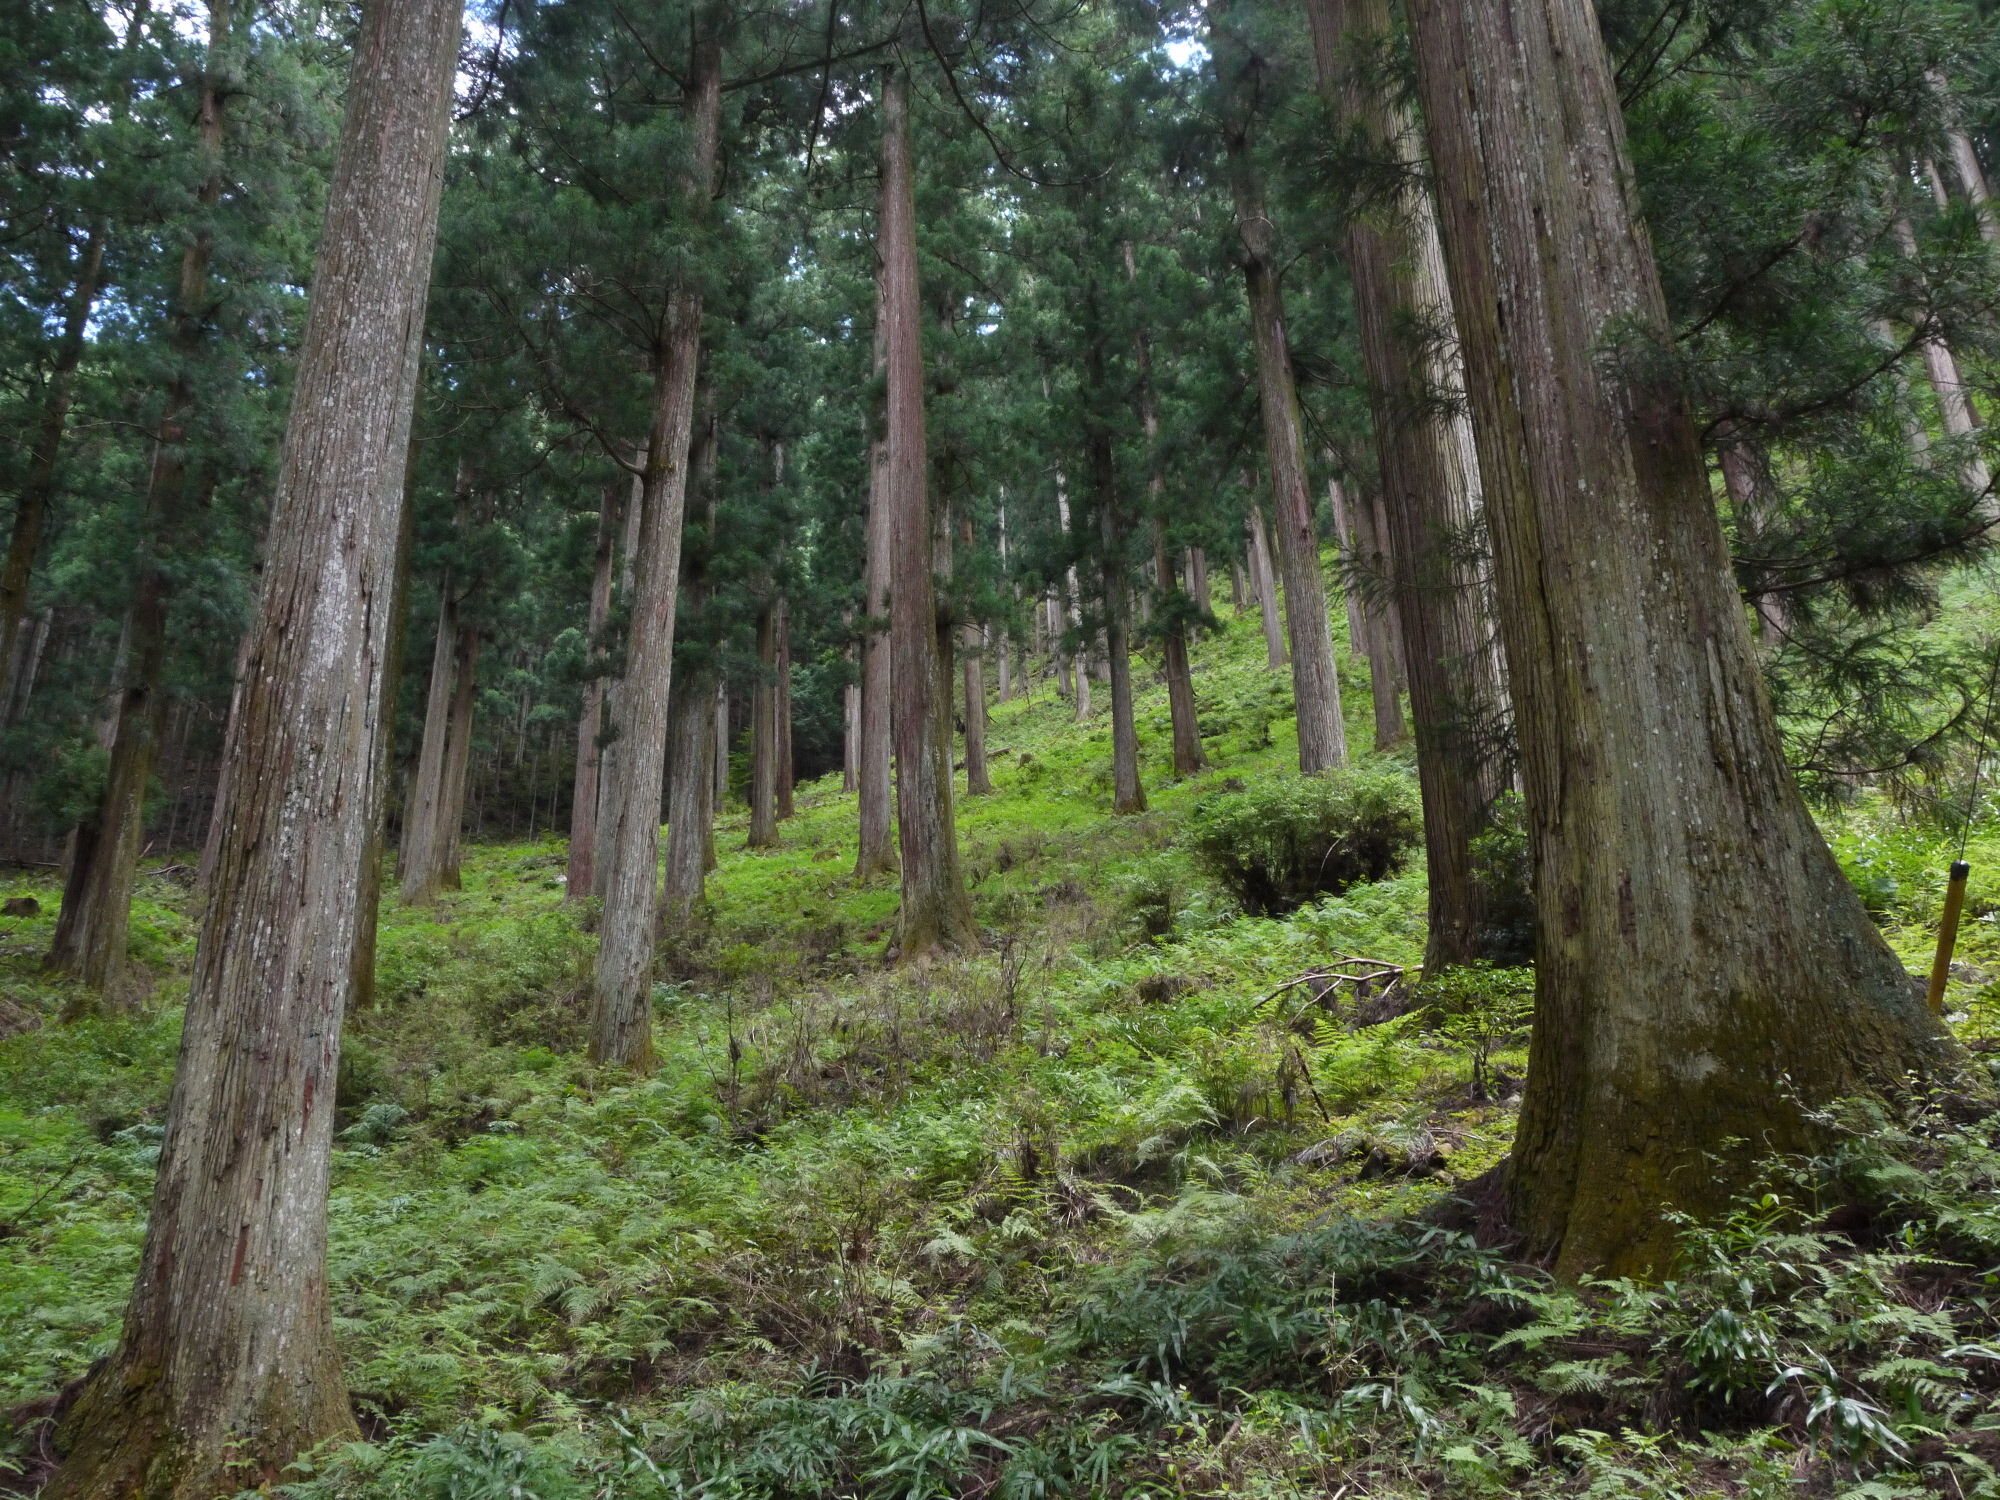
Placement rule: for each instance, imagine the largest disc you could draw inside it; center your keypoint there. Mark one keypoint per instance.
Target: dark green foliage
(1279, 844)
(1506, 876)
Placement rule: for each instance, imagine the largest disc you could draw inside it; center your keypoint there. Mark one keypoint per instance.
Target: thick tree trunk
(1430, 481)
(1704, 975)
(457, 756)
(417, 869)
(621, 1022)
(582, 872)
(1315, 680)
(1188, 757)
(226, 1370)
(31, 508)
(935, 911)
(764, 733)
(876, 851)
(1264, 583)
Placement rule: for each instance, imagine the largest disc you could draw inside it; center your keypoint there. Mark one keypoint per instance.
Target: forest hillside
(1144, 1197)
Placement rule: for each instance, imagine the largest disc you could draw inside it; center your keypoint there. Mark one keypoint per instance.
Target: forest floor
(1103, 1209)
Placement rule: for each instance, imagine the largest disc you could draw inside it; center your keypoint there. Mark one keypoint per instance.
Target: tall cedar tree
(1705, 975)
(226, 1371)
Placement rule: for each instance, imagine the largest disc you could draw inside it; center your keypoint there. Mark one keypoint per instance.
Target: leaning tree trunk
(1315, 676)
(1705, 977)
(935, 911)
(1430, 480)
(32, 507)
(417, 869)
(876, 853)
(582, 872)
(226, 1371)
(1264, 584)
(764, 733)
(621, 1022)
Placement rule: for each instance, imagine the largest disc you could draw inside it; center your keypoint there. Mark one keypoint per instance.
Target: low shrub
(1277, 846)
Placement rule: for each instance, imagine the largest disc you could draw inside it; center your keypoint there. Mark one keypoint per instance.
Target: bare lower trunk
(1353, 556)
(783, 737)
(1264, 582)
(1384, 668)
(1127, 794)
(935, 912)
(876, 851)
(621, 1023)
(1430, 484)
(1188, 757)
(92, 931)
(977, 782)
(1315, 681)
(614, 715)
(418, 866)
(720, 760)
(764, 734)
(31, 508)
(368, 915)
(582, 872)
(690, 804)
(1705, 976)
(226, 1371)
(457, 756)
(850, 737)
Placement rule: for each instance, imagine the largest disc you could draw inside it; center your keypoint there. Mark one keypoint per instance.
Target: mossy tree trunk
(225, 1370)
(1704, 973)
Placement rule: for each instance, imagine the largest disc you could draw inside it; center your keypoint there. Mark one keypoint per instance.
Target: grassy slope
(900, 1223)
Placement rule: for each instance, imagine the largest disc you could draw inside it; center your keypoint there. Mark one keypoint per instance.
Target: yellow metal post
(1954, 903)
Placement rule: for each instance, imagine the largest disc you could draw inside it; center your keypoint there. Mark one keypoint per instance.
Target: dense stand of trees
(793, 380)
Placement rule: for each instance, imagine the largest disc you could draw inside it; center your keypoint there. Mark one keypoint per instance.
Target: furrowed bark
(1430, 480)
(582, 871)
(876, 851)
(690, 803)
(226, 1371)
(1704, 973)
(935, 910)
(621, 1025)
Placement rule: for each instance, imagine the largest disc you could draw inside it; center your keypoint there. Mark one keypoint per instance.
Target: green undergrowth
(1112, 1206)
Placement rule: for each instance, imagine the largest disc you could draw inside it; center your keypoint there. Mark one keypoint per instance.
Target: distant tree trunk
(1127, 794)
(1266, 587)
(1002, 638)
(1965, 161)
(876, 851)
(1353, 554)
(977, 782)
(226, 1371)
(621, 1023)
(935, 911)
(1071, 616)
(764, 733)
(1379, 625)
(607, 767)
(457, 755)
(423, 805)
(1954, 398)
(1188, 757)
(690, 803)
(1315, 682)
(582, 873)
(850, 734)
(1705, 975)
(31, 508)
(786, 770)
(720, 760)
(368, 914)
(1197, 580)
